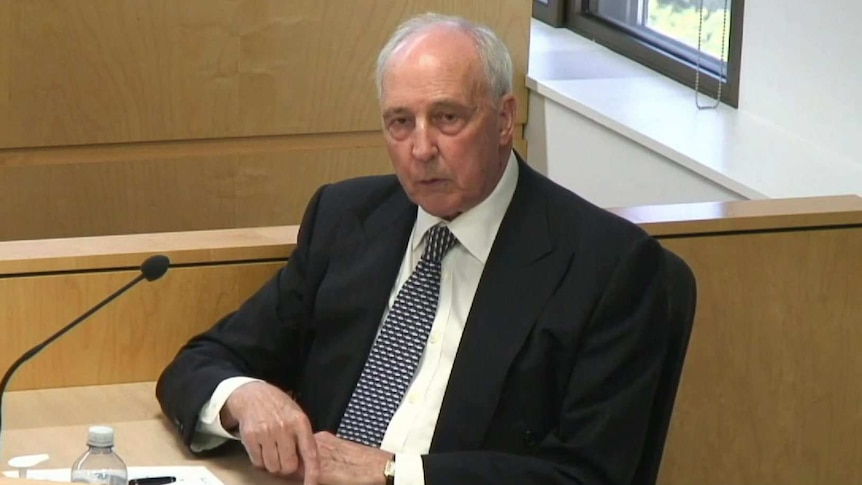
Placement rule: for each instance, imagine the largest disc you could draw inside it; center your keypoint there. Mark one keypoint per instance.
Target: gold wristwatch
(389, 472)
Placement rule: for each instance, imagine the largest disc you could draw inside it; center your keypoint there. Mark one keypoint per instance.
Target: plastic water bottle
(99, 464)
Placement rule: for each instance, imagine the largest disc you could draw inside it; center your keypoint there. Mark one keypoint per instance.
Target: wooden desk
(55, 421)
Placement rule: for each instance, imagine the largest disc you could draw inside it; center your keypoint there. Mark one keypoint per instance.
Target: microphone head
(155, 267)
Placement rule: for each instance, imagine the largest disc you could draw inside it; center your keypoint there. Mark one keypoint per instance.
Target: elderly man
(466, 322)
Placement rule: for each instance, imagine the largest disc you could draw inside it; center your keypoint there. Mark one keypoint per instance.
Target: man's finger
(308, 454)
(252, 448)
(269, 453)
(287, 455)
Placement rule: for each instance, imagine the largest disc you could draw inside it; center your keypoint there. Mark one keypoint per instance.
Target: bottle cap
(102, 436)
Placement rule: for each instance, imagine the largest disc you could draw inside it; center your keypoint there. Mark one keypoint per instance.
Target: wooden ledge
(276, 242)
(128, 251)
(745, 216)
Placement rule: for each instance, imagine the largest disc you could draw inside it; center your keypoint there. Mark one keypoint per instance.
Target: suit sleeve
(266, 338)
(605, 408)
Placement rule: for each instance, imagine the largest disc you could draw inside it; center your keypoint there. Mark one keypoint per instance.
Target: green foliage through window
(678, 19)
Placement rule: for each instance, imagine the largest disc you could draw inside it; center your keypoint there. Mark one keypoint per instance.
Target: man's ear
(508, 111)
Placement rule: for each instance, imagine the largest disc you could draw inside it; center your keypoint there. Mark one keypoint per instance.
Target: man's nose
(424, 143)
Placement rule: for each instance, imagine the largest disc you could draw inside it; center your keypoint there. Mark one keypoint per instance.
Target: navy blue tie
(395, 354)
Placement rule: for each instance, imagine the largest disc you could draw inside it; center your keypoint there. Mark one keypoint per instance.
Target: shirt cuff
(409, 470)
(209, 432)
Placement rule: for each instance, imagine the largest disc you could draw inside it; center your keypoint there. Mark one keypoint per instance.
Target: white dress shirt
(411, 428)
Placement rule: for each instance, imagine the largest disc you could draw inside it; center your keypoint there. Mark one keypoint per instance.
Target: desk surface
(55, 421)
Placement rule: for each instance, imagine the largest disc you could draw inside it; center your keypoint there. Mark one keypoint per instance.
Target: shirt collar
(477, 227)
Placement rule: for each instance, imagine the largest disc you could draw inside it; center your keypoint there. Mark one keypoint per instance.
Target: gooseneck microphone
(152, 269)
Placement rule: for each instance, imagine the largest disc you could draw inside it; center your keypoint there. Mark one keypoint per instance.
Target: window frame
(575, 16)
(551, 12)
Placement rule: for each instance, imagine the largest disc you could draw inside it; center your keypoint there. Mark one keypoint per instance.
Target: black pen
(152, 481)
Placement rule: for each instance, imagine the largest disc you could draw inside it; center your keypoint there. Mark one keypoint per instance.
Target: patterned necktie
(395, 354)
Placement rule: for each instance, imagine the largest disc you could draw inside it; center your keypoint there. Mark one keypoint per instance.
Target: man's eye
(399, 127)
(447, 117)
(399, 123)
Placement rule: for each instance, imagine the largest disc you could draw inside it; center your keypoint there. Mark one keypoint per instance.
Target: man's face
(448, 139)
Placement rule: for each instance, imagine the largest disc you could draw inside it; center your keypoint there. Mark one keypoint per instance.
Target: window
(550, 12)
(692, 41)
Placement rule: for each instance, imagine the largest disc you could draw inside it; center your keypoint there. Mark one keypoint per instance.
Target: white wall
(801, 69)
(606, 168)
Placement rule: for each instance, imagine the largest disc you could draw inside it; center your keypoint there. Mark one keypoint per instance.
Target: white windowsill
(748, 155)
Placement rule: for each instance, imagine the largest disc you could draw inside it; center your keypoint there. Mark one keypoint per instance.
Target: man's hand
(344, 462)
(275, 431)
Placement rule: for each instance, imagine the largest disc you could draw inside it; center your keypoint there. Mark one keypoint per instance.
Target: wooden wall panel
(770, 391)
(164, 187)
(5, 56)
(188, 190)
(133, 338)
(119, 71)
(196, 114)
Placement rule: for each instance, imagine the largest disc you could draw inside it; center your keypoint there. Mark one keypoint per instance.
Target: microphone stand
(152, 269)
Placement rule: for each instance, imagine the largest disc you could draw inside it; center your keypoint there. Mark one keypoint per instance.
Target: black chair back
(682, 299)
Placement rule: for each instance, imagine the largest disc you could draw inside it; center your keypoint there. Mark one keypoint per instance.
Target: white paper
(186, 475)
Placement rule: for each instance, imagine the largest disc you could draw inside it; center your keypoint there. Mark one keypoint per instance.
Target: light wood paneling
(119, 71)
(186, 192)
(192, 149)
(5, 55)
(747, 215)
(126, 116)
(133, 338)
(45, 284)
(165, 187)
(770, 390)
(128, 251)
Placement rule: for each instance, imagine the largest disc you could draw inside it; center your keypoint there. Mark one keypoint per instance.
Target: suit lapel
(519, 276)
(364, 263)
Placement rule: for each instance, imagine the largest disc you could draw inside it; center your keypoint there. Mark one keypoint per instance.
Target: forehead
(439, 64)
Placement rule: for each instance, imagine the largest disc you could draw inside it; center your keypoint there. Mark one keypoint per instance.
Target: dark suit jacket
(557, 366)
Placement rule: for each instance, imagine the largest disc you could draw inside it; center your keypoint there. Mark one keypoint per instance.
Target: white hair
(493, 54)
